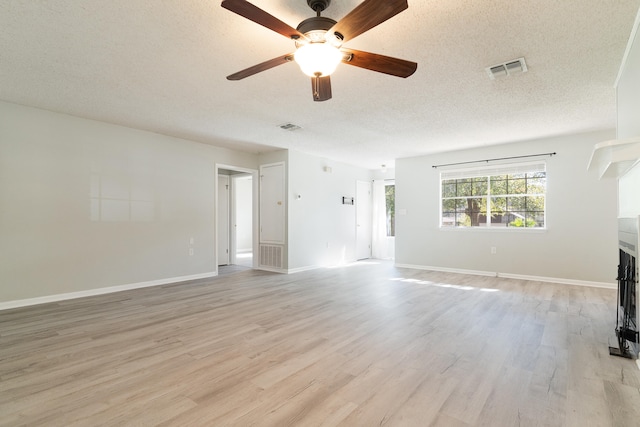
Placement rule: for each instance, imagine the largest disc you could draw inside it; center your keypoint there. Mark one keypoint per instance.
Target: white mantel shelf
(612, 159)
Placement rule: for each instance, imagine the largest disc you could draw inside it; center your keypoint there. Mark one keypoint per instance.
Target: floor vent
(271, 256)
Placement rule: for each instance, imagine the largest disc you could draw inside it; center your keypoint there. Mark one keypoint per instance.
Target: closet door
(272, 203)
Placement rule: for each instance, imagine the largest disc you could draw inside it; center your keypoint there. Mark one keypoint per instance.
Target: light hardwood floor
(364, 345)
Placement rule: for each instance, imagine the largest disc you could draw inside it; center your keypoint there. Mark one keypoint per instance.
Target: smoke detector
(506, 69)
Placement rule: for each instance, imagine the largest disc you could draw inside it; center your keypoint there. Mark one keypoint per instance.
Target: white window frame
(488, 171)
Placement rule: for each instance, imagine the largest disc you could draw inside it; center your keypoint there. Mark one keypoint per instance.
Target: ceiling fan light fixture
(319, 39)
(318, 59)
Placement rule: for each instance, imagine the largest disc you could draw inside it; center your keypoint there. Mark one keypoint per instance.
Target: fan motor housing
(317, 23)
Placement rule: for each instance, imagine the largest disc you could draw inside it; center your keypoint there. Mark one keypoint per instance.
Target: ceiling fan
(319, 41)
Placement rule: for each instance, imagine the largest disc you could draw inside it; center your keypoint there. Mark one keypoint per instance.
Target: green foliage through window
(514, 197)
(390, 198)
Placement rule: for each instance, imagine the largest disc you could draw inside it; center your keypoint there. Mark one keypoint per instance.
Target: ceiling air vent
(508, 68)
(289, 126)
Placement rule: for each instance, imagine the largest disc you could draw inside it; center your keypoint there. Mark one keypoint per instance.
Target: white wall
(390, 173)
(322, 231)
(628, 94)
(629, 193)
(87, 205)
(628, 90)
(580, 241)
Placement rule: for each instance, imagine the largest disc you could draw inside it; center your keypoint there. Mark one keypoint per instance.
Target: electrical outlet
(191, 240)
(493, 250)
(190, 251)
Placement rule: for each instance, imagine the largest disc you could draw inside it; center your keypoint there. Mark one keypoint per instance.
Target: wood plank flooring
(363, 345)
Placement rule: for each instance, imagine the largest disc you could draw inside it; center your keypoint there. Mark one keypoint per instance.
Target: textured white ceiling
(161, 66)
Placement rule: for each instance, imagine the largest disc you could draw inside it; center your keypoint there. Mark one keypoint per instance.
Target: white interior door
(364, 222)
(272, 203)
(223, 219)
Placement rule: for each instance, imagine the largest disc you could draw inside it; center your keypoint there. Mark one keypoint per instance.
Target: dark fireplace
(627, 314)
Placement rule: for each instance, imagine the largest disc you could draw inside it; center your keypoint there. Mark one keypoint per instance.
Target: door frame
(233, 195)
(254, 214)
(220, 222)
(369, 225)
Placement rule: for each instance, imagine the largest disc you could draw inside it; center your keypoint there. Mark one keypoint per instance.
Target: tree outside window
(512, 197)
(390, 202)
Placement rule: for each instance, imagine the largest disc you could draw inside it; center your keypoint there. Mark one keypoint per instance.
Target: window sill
(493, 229)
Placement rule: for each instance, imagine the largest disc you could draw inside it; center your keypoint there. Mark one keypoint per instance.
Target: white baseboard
(560, 280)
(100, 291)
(513, 276)
(448, 270)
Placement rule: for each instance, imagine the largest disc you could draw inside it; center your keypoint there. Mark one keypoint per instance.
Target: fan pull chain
(316, 86)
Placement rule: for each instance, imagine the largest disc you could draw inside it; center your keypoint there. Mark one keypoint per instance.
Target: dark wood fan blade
(261, 67)
(379, 63)
(259, 16)
(321, 87)
(367, 15)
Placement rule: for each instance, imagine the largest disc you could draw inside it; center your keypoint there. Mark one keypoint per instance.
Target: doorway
(364, 220)
(242, 200)
(236, 216)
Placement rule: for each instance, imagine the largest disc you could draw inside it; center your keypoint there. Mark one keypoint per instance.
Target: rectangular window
(390, 202)
(501, 196)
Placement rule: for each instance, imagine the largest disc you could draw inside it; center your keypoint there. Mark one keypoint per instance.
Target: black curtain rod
(491, 160)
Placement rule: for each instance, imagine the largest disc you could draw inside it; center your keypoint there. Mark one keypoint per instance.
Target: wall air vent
(506, 69)
(271, 256)
(289, 126)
